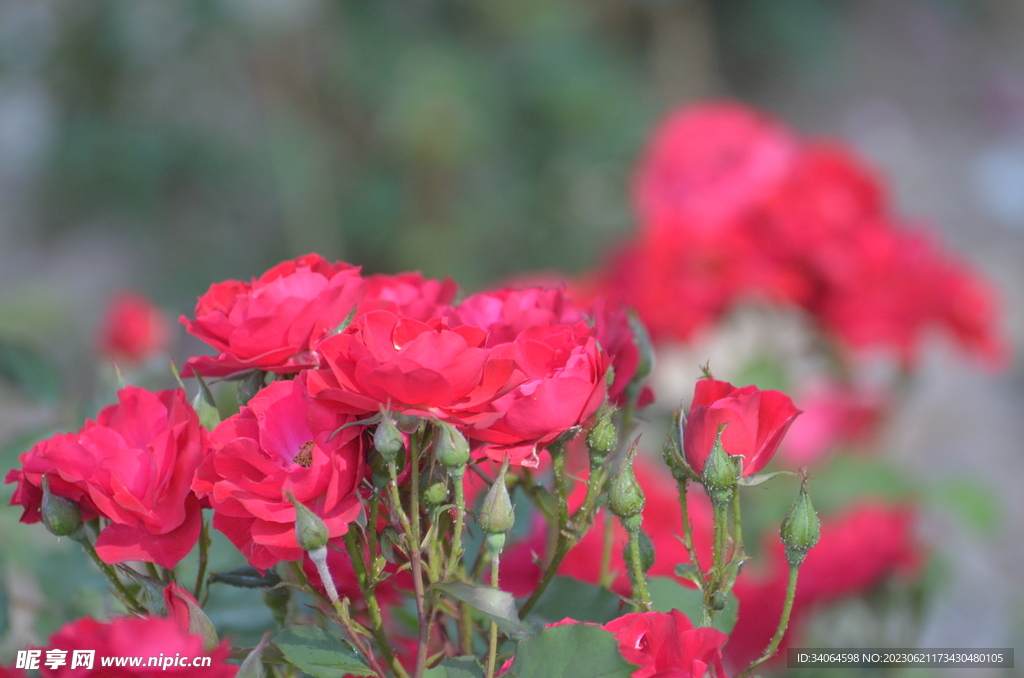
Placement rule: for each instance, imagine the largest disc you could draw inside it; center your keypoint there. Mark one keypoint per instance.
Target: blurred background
(161, 147)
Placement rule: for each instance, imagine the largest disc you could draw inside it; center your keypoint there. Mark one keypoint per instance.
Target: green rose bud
(627, 497)
(801, 528)
(672, 452)
(310, 531)
(496, 515)
(602, 438)
(450, 446)
(388, 440)
(61, 516)
(720, 471)
(433, 488)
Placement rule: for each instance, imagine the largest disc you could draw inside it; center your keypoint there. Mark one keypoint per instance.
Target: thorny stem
(122, 593)
(319, 559)
(688, 529)
(204, 546)
(606, 550)
(639, 578)
(562, 544)
(492, 644)
(780, 631)
(368, 588)
(422, 617)
(460, 512)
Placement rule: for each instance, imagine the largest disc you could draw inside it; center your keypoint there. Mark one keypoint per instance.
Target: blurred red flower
(133, 329)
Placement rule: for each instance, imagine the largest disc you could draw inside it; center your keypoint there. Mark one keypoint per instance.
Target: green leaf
(456, 667)
(28, 371)
(247, 577)
(252, 666)
(568, 597)
(499, 606)
(577, 650)
(668, 594)
(319, 653)
(205, 405)
(759, 478)
(690, 571)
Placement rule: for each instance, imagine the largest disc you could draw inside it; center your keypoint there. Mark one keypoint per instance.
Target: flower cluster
(732, 205)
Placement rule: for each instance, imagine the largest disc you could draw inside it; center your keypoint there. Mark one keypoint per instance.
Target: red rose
(757, 421)
(426, 368)
(158, 638)
(133, 466)
(565, 383)
(408, 294)
(858, 549)
(706, 165)
(663, 645)
(279, 443)
(134, 329)
(274, 322)
(667, 645)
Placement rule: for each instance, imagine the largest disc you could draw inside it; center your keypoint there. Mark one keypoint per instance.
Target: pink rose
(133, 466)
(408, 294)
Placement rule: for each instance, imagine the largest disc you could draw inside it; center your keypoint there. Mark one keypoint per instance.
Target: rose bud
(602, 438)
(496, 515)
(720, 471)
(60, 515)
(190, 616)
(387, 439)
(627, 497)
(450, 446)
(310, 531)
(801, 528)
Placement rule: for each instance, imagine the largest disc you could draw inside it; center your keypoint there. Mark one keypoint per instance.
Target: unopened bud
(720, 472)
(388, 440)
(433, 488)
(801, 528)
(672, 452)
(497, 515)
(602, 438)
(190, 616)
(627, 497)
(450, 446)
(718, 601)
(61, 516)
(310, 531)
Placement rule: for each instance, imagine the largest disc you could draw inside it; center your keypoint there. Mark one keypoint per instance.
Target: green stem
(606, 550)
(422, 616)
(368, 588)
(204, 546)
(737, 528)
(460, 512)
(123, 594)
(562, 544)
(684, 508)
(640, 592)
(492, 644)
(780, 631)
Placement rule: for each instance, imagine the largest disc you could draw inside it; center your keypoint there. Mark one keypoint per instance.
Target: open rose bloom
(421, 483)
